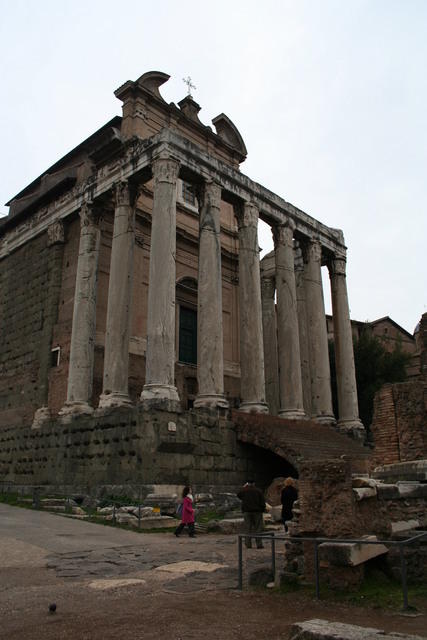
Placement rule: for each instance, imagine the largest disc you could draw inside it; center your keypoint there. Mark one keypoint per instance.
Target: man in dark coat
(288, 496)
(253, 506)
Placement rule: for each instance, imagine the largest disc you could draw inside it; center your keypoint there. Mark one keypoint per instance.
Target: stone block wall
(29, 291)
(133, 447)
(399, 425)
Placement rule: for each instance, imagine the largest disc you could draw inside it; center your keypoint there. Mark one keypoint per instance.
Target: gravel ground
(110, 583)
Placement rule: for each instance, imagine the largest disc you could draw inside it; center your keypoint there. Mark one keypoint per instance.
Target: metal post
(114, 513)
(240, 567)
(403, 572)
(316, 569)
(139, 515)
(273, 557)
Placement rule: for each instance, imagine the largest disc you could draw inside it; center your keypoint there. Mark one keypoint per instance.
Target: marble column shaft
(321, 397)
(290, 381)
(160, 356)
(80, 371)
(344, 355)
(116, 356)
(210, 344)
(269, 330)
(252, 383)
(303, 334)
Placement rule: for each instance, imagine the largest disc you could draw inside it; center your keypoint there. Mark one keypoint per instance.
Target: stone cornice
(134, 163)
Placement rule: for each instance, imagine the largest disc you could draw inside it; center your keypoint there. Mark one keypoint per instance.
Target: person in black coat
(288, 496)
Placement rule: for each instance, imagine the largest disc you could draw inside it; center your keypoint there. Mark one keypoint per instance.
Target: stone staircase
(297, 440)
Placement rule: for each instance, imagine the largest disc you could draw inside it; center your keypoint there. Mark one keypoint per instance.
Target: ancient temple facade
(131, 276)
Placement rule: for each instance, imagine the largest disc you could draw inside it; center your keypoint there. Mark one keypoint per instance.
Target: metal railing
(273, 538)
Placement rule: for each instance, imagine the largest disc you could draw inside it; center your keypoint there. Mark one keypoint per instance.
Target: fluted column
(344, 356)
(303, 334)
(252, 383)
(160, 358)
(269, 331)
(290, 382)
(115, 391)
(80, 370)
(321, 397)
(210, 347)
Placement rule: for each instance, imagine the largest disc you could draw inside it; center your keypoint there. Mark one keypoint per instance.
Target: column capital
(283, 233)
(165, 169)
(248, 216)
(337, 266)
(124, 193)
(211, 194)
(312, 251)
(89, 216)
(268, 286)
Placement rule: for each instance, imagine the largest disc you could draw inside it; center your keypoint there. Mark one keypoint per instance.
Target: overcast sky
(330, 97)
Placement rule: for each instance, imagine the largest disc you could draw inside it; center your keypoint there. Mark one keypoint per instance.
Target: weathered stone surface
(324, 630)
(413, 470)
(365, 492)
(350, 554)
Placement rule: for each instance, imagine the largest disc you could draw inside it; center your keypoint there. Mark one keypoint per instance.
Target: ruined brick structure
(399, 425)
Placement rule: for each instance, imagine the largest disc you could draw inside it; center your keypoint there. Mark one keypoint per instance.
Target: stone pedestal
(290, 382)
(321, 397)
(116, 355)
(80, 371)
(344, 356)
(210, 347)
(252, 384)
(159, 389)
(269, 330)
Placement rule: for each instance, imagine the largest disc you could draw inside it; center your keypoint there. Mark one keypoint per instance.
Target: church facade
(131, 278)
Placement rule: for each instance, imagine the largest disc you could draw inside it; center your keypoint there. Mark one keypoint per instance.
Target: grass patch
(208, 516)
(377, 591)
(17, 500)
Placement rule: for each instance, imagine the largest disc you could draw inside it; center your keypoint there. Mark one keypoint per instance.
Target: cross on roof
(189, 84)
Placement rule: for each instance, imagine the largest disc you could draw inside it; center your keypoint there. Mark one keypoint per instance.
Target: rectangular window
(187, 335)
(188, 194)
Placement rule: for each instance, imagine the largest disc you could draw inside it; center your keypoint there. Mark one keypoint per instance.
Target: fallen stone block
(366, 492)
(363, 482)
(158, 522)
(404, 525)
(350, 554)
(324, 630)
(387, 491)
(412, 489)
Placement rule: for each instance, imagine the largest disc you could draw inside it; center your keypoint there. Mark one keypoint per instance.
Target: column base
(110, 400)
(292, 414)
(75, 408)
(160, 396)
(253, 407)
(41, 417)
(210, 400)
(353, 428)
(325, 419)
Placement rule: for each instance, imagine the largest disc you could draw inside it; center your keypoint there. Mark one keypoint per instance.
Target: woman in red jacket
(187, 517)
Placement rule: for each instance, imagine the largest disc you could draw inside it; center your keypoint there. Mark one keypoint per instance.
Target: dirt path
(110, 583)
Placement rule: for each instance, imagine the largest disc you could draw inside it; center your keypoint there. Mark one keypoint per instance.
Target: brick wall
(399, 425)
(29, 291)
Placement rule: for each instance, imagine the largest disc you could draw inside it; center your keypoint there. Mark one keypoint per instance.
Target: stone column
(55, 243)
(210, 344)
(159, 389)
(321, 397)
(252, 384)
(115, 391)
(269, 331)
(80, 371)
(303, 333)
(290, 381)
(344, 356)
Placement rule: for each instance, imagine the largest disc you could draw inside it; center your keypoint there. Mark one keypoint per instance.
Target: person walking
(253, 506)
(288, 496)
(187, 516)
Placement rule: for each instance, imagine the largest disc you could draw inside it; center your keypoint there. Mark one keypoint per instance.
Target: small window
(188, 194)
(55, 356)
(187, 335)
